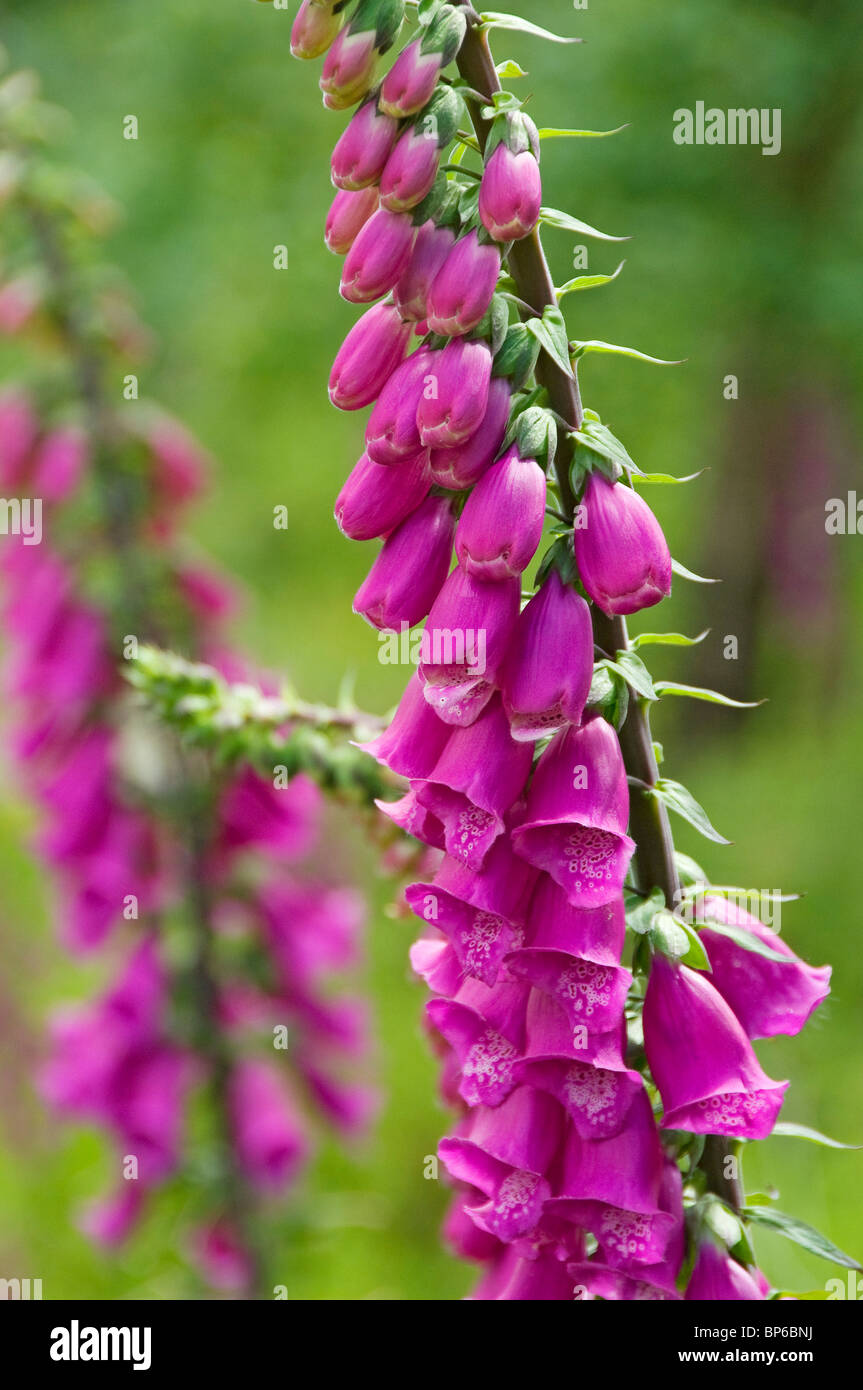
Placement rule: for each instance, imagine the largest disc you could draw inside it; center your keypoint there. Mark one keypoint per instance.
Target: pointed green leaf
(492, 19)
(696, 693)
(634, 671)
(641, 912)
(665, 479)
(666, 639)
(553, 217)
(596, 346)
(550, 133)
(689, 872)
(510, 68)
(550, 333)
(684, 573)
(598, 438)
(676, 797)
(800, 1234)
(791, 1131)
(587, 282)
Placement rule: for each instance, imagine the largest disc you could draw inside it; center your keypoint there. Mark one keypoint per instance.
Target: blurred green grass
(231, 160)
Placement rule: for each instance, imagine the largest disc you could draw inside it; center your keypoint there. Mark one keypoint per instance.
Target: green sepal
(517, 355)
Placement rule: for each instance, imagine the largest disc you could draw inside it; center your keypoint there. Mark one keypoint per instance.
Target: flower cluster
(223, 955)
(585, 1087)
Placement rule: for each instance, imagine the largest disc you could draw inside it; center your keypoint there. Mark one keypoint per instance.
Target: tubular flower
(375, 499)
(404, 580)
(347, 216)
(501, 525)
(463, 287)
(316, 25)
(462, 465)
(361, 153)
(716, 1277)
(549, 666)
(412, 167)
(455, 394)
(378, 256)
(620, 551)
(715, 1085)
(413, 77)
(431, 248)
(368, 357)
(511, 191)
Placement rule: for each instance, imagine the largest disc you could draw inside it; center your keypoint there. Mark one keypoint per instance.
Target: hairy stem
(654, 856)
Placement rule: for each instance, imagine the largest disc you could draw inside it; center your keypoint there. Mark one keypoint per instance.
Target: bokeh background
(739, 263)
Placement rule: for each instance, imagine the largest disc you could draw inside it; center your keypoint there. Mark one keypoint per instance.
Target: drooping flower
(368, 357)
(462, 290)
(462, 465)
(501, 525)
(378, 256)
(409, 571)
(431, 248)
(622, 557)
(411, 80)
(549, 666)
(315, 27)
(510, 194)
(768, 996)
(362, 151)
(375, 499)
(455, 394)
(348, 214)
(718, 1278)
(465, 643)
(574, 825)
(715, 1084)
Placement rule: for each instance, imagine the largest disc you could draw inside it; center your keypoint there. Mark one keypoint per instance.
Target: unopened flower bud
(622, 557)
(378, 257)
(368, 357)
(501, 525)
(348, 214)
(464, 286)
(363, 148)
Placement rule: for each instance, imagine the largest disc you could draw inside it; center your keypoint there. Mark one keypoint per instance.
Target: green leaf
(666, 639)
(553, 217)
(800, 1234)
(635, 673)
(491, 19)
(676, 797)
(509, 68)
(550, 333)
(609, 694)
(747, 940)
(640, 916)
(598, 438)
(587, 282)
(501, 102)
(696, 957)
(722, 1221)
(551, 133)
(688, 870)
(596, 346)
(696, 693)
(791, 1131)
(665, 479)
(684, 573)
(667, 935)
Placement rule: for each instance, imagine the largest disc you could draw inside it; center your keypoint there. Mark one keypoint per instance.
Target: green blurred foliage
(739, 263)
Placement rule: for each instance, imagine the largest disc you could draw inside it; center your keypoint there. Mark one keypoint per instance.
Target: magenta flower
(479, 921)
(254, 812)
(465, 643)
(510, 194)
(368, 357)
(409, 571)
(485, 1028)
(362, 150)
(349, 67)
(411, 80)
(574, 826)
(505, 1153)
(478, 776)
(549, 666)
(718, 1278)
(463, 288)
(462, 465)
(431, 248)
(621, 553)
(515, 1278)
(392, 433)
(715, 1084)
(455, 393)
(612, 1187)
(220, 1257)
(501, 525)
(346, 218)
(415, 739)
(315, 27)
(378, 257)
(19, 429)
(768, 996)
(375, 499)
(271, 1145)
(410, 170)
(59, 464)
